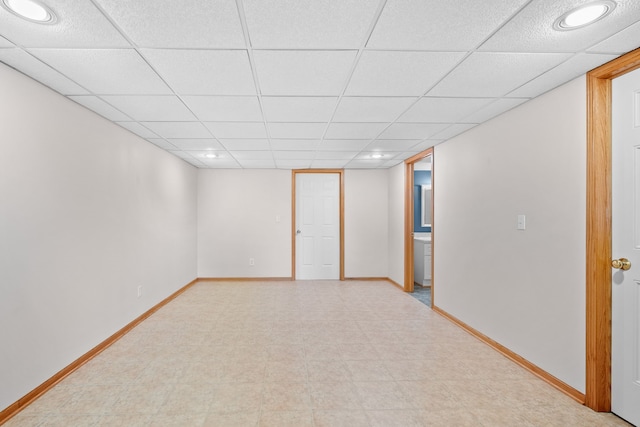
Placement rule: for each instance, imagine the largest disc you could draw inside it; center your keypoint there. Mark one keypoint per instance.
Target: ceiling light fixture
(377, 155)
(210, 156)
(584, 15)
(31, 10)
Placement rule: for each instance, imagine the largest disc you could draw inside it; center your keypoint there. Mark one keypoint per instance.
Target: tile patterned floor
(422, 294)
(302, 354)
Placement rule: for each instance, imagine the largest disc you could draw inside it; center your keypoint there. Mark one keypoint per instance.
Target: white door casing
(625, 234)
(317, 226)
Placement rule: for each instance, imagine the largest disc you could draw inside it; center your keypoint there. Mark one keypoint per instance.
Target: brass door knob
(622, 264)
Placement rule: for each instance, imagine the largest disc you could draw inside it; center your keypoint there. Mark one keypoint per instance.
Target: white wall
(366, 222)
(396, 223)
(524, 289)
(237, 211)
(88, 213)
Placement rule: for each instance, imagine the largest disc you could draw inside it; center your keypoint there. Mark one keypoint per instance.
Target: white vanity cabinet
(422, 260)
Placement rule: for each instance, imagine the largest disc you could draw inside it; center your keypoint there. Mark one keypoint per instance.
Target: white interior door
(625, 326)
(317, 226)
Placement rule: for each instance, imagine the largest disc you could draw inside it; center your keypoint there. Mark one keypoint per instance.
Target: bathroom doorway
(419, 224)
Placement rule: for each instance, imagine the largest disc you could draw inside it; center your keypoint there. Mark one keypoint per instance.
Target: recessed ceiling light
(211, 155)
(377, 155)
(584, 15)
(31, 10)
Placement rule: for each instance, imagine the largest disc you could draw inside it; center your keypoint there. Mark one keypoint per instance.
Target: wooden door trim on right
(294, 172)
(598, 256)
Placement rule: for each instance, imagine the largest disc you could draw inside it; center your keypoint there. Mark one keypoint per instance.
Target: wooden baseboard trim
(245, 279)
(366, 279)
(394, 283)
(23, 402)
(537, 371)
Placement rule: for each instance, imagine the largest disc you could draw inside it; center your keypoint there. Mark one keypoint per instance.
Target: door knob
(622, 264)
(298, 231)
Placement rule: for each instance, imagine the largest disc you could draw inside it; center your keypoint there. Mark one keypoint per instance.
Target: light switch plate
(521, 222)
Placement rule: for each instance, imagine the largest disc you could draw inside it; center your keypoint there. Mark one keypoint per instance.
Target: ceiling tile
(99, 106)
(162, 143)
(190, 144)
(494, 109)
(354, 130)
(245, 144)
(189, 24)
(228, 163)
(32, 67)
(443, 110)
(328, 164)
(293, 164)
(391, 163)
(204, 72)
(478, 75)
(423, 146)
(392, 144)
(293, 155)
(138, 129)
(365, 164)
(439, 25)
(237, 129)
(257, 164)
(294, 144)
(297, 130)
(151, 108)
(532, 29)
(5, 43)
(225, 108)
(335, 155)
(412, 130)
(298, 109)
(309, 24)
(178, 129)
(454, 130)
(80, 25)
(399, 73)
(105, 71)
(561, 74)
(619, 43)
(371, 109)
(343, 144)
(253, 155)
(282, 72)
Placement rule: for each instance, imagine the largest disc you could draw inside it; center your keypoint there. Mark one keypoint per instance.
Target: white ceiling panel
(245, 144)
(204, 72)
(293, 164)
(391, 163)
(151, 108)
(294, 144)
(423, 146)
(412, 130)
(80, 25)
(282, 72)
(309, 24)
(190, 144)
(439, 25)
(237, 130)
(225, 108)
(354, 130)
(105, 71)
(328, 164)
(298, 108)
(257, 164)
(335, 155)
(162, 143)
(99, 106)
(392, 144)
(343, 144)
(494, 109)
(365, 164)
(564, 72)
(178, 129)
(477, 76)
(5, 43)
(454, 130)
(293, 155)
(297, 130)
(32, 67)
(371, 109)
(138, 129)
(253, 155)
(442, 110)
(188, 24)
(227, 163)
(532, 29)
(388, 73)
(622, 42)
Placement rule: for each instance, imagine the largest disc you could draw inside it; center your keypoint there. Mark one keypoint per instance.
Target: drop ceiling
(307, 83)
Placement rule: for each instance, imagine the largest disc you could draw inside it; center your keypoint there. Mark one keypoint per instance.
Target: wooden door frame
(294, 172)
(408, 220)
(598, 257)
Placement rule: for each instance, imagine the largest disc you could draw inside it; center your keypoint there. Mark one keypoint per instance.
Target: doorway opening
(423, 239)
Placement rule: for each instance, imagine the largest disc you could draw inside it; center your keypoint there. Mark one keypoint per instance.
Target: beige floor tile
(367, 370)
(327, 371)
(286, 419)
(340, 418)
(283, 396)
(232, 398)
(285, 371)
(382, 395)
(236, 419)
(335, 395)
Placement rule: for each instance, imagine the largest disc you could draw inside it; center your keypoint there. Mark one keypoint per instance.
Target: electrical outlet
(252, 261)
(139, 291)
